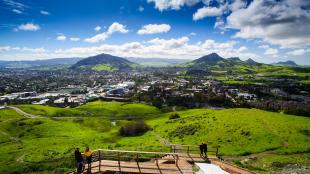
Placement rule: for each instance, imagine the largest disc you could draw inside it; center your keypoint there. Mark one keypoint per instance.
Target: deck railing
(124, 155)
(192, 149)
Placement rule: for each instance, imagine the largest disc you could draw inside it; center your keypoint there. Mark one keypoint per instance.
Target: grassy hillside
(46, 145)
(238, 131)
(97, 108)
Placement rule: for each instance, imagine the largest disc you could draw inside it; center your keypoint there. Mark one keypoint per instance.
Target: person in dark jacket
(79, 161)
(201, 149)
(205, 149)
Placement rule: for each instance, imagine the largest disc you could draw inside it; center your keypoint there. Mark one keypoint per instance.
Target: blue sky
(264, 30)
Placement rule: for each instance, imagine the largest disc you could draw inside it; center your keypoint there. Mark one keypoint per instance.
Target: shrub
(174, 116)
(134, 129)
(180, 131)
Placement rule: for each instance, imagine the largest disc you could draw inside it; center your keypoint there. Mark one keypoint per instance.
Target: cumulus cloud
(44, 12)
(61, 37)
(97, 28)
(154, 29)
(172, 4)
(164, 48)
(113, 28)
(269, 50)
(298, 52)
(74, 39)
(207, 11)
(28, 27)
(285, 23)
(117, 27)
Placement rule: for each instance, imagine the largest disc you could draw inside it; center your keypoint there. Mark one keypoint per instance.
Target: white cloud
(207, 11)
(237, 4)
(99, 37)
(17, 11)
(33, 50)
(115, 27)
(44, 12)
(154, 29)
(97, 28)
(61, 37)
(192, 34)
(271, 51)
(164, 48)
(5, 48)
(172, 4)
(298, 52)
(285, 23)
(141, 8)
(74, 39)
(28, 27)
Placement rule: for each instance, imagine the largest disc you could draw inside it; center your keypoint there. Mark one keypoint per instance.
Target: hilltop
(104, 62)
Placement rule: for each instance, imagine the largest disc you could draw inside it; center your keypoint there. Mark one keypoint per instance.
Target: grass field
(97, 108)
(45, 145)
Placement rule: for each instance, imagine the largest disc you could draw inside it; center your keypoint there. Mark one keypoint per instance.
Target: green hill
(45, 145)
(95, 109)
(104, 62)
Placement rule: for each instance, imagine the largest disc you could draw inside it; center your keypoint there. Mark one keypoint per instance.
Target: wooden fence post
(119, 161)
(99, 161)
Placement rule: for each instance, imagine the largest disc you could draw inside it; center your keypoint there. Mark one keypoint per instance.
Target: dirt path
(24, 113)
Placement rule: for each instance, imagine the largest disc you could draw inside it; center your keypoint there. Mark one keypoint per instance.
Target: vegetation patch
(134, 129)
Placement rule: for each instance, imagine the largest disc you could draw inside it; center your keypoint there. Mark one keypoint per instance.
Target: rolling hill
(47, 144)
(104, 62)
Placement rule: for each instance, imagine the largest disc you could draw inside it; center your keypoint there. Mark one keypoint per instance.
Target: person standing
(201, 149)
(79, 161)
(88, 154)
(205, 149)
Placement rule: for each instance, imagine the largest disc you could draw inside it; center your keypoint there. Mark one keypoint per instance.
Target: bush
(134, 129)
(174, 116)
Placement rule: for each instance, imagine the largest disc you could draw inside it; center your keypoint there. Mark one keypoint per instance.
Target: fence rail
(193, 149)
(131, 156)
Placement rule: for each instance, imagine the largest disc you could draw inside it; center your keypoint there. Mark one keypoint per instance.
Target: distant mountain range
(38, 63)
(286, 63)
(106, 62)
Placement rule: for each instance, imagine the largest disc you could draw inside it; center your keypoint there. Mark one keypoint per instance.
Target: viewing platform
(180, 161)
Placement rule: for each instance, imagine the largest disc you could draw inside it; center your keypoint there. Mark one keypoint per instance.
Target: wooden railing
(124, 155)
(192, 149)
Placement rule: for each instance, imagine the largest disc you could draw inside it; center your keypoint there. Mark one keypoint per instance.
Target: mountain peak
(103, 62)
(210, 58)
(251, 61)
(286, 63)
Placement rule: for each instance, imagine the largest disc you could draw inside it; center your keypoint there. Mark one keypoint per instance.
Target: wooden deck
(133, 162)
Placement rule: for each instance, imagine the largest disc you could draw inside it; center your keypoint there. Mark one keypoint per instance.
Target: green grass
(238, 131)
(104, 67)
(95, 109)
(45, 145)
